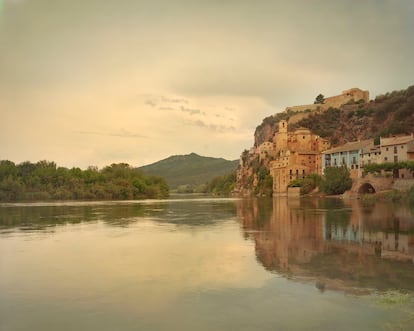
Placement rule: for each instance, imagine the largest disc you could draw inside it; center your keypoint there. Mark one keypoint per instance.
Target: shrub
(337, 180)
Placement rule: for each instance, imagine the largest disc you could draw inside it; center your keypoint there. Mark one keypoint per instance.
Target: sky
(96, 82)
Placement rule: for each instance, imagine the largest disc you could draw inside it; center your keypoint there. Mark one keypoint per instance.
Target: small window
(395, 149)
(386, 149)
(402, 146)
(385, 158)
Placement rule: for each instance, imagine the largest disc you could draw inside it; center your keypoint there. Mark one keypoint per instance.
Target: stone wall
(336, 101)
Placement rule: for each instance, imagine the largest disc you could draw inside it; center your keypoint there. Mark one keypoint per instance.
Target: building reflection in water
(331, 239)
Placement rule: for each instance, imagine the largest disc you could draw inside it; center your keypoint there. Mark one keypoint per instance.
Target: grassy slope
(191, 169)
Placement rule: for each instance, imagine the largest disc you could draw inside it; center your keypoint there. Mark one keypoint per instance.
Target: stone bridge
(371, 184)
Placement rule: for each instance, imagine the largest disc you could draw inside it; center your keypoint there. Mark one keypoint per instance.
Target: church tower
(282, 136)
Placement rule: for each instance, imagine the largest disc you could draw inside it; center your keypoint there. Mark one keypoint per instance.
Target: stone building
(297, 155)
(395, 149)
(266, 150)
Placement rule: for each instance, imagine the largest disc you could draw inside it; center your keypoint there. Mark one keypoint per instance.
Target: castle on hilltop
(351, 95)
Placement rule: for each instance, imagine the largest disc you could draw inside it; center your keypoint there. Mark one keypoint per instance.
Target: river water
(196, 263)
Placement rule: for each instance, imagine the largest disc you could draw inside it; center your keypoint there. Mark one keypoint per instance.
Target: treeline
(221, 185)
(45, 181)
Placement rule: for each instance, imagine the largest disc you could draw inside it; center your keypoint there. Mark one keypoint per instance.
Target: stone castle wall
(336, 101)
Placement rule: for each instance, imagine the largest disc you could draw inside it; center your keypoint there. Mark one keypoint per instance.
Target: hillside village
(287, 154)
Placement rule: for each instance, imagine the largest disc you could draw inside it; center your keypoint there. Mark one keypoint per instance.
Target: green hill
(192, 169)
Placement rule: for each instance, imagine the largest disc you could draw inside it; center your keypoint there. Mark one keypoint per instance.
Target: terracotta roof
(396, 140)
(351, 146)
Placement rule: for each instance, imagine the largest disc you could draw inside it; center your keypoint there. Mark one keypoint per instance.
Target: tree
(320, 99)
(44, 181)
(337, 180)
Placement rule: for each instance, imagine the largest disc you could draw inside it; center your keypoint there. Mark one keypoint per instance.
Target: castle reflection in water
(358, 245)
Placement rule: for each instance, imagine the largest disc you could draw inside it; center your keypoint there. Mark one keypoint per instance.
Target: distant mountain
(191, 169)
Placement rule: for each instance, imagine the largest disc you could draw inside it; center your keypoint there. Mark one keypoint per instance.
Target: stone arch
(366, 188)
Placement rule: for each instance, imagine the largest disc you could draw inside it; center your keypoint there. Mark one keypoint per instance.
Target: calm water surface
(207, 264)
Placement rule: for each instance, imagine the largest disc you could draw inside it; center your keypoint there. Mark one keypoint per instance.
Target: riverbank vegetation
(337, 180)
(221, 185)
(44, 180)
(307, 184)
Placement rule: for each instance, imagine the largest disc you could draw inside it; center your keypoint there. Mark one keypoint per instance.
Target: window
(353, 160)
(386, 149)
(385, 158)
(395, 158)
(402, 146)
(395, 150)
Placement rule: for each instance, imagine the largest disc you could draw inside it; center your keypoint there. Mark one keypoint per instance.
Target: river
(198, 263)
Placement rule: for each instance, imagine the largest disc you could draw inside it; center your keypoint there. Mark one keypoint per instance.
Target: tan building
(369, 154)
(395, 149)
(266, 150)
(298, 154)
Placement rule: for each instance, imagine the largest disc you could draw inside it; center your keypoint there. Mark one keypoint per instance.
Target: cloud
(151, 102)
(121, 133)
(192, 111)
(212, 127)
(173, 100)
(166, 108)
(164, 102)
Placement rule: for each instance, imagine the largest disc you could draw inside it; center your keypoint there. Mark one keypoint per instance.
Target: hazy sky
(93, 82)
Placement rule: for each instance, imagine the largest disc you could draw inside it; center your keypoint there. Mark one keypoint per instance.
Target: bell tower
(282, 136)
